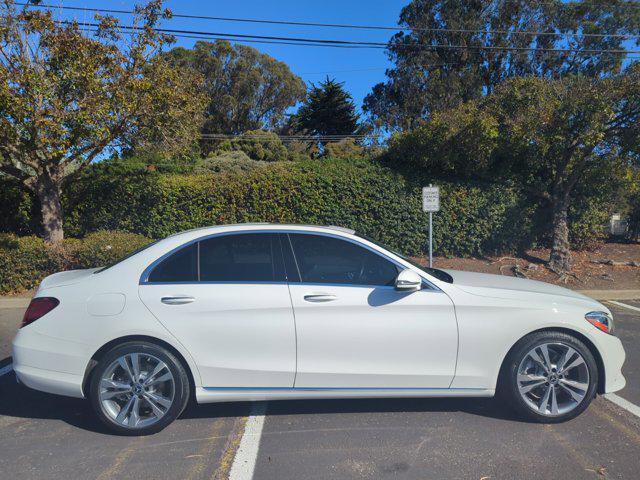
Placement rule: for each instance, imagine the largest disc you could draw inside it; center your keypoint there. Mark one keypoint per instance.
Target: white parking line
(622, 403)
(624, 305)
(244, 462)
(6, 369)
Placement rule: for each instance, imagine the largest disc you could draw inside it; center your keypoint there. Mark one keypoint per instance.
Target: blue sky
(359, 69)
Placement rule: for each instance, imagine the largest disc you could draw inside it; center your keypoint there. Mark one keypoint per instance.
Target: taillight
(37, 308)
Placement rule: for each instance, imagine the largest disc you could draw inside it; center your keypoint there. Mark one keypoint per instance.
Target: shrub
(25, 261)
(360, 194)
(476, 218)
(233, 161)
(258, 145)
(346, 148)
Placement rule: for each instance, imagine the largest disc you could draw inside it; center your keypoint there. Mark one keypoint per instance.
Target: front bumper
(613, 356)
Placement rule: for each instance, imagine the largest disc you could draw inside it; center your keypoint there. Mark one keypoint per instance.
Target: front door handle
(178, 300)
(320, 297)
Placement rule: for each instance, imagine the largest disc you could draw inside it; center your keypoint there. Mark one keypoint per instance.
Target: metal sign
(430, 204)
(430, 199)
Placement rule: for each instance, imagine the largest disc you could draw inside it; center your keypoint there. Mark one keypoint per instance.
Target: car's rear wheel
(138, 388)
(550, 377)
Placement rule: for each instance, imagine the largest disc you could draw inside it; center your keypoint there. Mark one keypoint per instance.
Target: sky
(359, 69)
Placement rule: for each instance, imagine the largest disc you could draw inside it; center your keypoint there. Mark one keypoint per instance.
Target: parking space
(44, 436)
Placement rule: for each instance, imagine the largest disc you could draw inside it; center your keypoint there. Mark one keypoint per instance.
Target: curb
(14, 302)
(611, 294)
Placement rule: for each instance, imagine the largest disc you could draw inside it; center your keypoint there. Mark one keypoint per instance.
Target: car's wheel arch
(574, 333)
(95, 358)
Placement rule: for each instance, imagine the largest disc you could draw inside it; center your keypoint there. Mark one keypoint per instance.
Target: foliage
(25, 261)
(233, 161)
(245, 89)
(554, 138)
(477, 217)
(424, 80)
(66, 97)
(327, 110)
(258, 145)
(349, 148)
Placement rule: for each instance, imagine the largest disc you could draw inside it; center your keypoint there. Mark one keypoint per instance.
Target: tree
(66, 98)
(488, 46)
(550, 136)
(327, 110)
(246, 89)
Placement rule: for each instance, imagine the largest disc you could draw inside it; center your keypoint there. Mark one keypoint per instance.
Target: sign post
(430, 203)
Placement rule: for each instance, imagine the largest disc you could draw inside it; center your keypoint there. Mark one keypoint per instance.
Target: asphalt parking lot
(44, 436)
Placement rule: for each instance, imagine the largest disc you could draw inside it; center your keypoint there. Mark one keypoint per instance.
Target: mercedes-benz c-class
(263, 311)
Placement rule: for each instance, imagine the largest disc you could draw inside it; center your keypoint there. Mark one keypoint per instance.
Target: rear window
(181, 266)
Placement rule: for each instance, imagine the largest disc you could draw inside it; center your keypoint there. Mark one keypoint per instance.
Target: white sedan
(264, 311)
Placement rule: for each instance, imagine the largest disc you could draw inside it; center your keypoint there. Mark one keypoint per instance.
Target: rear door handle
(320, 297)
(178, 300)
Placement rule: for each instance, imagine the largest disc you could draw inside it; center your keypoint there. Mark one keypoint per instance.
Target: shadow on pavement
(485, 407)
(21, 402)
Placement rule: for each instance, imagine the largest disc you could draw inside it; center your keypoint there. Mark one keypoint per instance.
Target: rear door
(356, 331)
(226, 300)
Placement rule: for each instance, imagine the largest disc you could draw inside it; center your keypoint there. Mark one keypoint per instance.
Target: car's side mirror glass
(408, 281)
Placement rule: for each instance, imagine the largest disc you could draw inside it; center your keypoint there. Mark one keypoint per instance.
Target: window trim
(146, 272)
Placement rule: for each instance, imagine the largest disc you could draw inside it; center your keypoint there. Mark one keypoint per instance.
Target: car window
(181, 266)
(323, 259)
(252, 257)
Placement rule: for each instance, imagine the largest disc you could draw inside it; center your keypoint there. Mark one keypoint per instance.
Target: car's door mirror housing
(408, 281)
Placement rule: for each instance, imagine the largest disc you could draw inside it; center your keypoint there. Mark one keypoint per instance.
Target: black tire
(508, 384)
(180, 395)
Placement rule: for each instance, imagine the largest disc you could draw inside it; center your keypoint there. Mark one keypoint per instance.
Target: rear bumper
(50, 381)
(49, 364)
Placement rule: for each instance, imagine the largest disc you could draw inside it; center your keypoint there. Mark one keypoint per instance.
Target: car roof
(270, 226)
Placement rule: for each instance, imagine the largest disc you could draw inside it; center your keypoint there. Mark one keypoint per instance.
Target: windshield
(128, 255)
(434, 272)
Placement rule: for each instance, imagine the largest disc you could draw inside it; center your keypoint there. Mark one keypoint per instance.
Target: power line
(355, 26)
(363, 44)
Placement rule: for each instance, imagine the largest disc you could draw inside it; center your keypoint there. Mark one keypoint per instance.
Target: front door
(355, 330)
(226, 300)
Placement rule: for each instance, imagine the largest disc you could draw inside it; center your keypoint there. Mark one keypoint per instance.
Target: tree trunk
(560, 258)
(48, 191)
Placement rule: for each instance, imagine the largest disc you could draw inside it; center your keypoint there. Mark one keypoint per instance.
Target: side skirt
(239, 394)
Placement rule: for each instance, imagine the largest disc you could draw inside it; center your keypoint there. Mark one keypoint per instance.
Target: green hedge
(475, 219)
(363, 195)
(25, 261)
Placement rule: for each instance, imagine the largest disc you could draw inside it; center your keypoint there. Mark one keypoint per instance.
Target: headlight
(601, 320)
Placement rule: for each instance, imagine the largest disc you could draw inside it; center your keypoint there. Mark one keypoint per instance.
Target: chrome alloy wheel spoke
(136, 390)
(553, 378)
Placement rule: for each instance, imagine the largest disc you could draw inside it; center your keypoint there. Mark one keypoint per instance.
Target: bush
(234, 161)
(258, 145)
(359, 194)
(475, 219)
(25, 261)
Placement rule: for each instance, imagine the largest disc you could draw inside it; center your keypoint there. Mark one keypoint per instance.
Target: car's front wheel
(138, 388)
(550, 377)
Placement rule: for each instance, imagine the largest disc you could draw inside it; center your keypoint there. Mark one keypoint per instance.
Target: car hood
(66, 278)
(501, 286)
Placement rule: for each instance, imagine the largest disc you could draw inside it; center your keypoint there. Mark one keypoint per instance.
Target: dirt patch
(588, 273)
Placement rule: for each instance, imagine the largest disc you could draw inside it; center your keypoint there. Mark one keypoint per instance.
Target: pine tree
(328, 110)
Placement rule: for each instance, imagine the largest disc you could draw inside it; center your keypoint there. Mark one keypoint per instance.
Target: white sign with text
(430, 199)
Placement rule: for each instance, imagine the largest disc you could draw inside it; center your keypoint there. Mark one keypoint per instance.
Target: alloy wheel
(553, 379)
(136, 390)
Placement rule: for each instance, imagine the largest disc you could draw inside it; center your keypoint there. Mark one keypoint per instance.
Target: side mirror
(408, 281)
